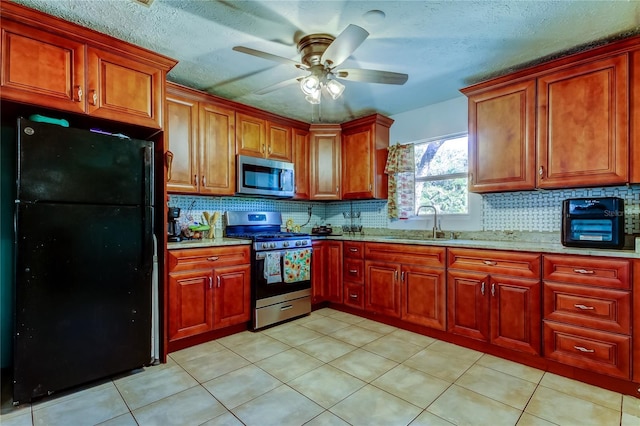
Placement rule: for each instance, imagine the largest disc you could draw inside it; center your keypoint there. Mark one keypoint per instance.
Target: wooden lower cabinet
(423, 296)
(326, 275)
(209, 289)
(382, 288)
(499, 309)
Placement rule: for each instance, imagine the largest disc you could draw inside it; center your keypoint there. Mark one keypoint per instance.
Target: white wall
(441, 119)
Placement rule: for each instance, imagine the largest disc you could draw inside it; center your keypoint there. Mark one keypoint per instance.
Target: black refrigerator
(84, 253)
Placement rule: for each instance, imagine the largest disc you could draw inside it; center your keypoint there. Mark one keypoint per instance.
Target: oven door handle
(261, 255)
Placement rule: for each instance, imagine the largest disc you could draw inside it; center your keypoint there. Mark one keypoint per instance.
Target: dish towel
(272, 270)
(297, 265)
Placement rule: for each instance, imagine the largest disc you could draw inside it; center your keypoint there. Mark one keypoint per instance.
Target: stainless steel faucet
(435, 217)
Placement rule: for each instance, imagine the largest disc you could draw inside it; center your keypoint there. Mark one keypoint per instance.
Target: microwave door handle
(282, 175)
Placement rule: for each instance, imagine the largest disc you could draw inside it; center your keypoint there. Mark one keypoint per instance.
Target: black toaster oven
(593, 222)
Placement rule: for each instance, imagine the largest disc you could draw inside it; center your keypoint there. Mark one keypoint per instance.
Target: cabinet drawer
(203, 258)
(354, 295)
(353, 270)
(604, 309)
(406, 253)
(597, 271)
(353, 250)
(597, 351)
(496, 262)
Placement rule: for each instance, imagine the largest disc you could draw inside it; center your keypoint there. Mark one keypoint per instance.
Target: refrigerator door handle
(148, 175)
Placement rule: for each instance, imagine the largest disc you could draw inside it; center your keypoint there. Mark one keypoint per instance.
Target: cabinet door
(502, 138)
(232, 296)
(251, 135)
(123, 89)
(382, 288)
(325, 162)
(278, 142)
(334, 271)
(300, 155)
(190, 303)
(319, 272)
(358, 163)
(468, 310)
(634, 94)
(41, 68)
(181, 132)
(515, 314)
(424, 296)
(583, 130)
(217, 150)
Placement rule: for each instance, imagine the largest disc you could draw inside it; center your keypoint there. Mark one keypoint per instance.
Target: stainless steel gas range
(280, 266)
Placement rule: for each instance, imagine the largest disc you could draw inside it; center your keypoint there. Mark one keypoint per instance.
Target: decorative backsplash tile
(542, 210)
(536, 211)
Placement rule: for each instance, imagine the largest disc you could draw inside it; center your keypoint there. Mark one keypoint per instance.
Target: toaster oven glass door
(591, 230)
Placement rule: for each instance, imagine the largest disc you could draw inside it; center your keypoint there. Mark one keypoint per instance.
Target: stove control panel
(281, 244)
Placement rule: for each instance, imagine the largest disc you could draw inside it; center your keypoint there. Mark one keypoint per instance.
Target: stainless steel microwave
(260, 176)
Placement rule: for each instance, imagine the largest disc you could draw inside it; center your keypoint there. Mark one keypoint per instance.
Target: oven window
(591, 230)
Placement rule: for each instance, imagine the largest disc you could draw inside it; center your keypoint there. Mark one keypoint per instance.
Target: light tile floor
(330, 368)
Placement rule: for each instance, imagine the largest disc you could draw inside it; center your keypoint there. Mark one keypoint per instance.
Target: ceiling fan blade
(344, 45)
(372, 76)
(277, 86)
(269, 56)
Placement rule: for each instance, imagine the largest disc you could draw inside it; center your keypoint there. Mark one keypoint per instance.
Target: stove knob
(303, 242)
(298, 242)
(273, 245)
(285, 244)
(265, 245)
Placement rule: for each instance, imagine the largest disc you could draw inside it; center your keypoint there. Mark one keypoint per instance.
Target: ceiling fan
(321, 54)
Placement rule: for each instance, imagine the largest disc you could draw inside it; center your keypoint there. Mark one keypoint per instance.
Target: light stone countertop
(541, 247)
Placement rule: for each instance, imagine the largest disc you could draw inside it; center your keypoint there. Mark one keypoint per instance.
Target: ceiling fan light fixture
(314, 97)
(335, 88)
(310, 84)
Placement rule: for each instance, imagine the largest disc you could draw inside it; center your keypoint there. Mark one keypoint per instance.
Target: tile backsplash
(542, 210)
(536, 211)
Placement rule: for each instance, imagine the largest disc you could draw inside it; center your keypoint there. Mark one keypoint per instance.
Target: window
(441, 174)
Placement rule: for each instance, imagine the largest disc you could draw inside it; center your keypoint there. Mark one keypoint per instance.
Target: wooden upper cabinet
(55, 64)
(201, 138)
(181, 134)
(122, 89)
(502, 138)
(259, 137)
(251, 135)
(325, 162)
(635, 118)
(300, 148)
(364, 155)
(279, 142)
(217, 163)
(583, 131)
(41, 68)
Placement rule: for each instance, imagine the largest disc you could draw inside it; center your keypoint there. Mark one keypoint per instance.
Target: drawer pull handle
(584, 307)
(353, 271)
(218, 281)
(583, 271)
(489, 262)
(213, 258)
(210, 282)
(402, 276)
(493, 289)
(353, 249)
(353, 296)
(581, 349)
(284, 308)
(482, 288)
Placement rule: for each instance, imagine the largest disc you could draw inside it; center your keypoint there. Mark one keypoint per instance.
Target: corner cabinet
(502, 138)
(52, 63)
(494, 296)
(364, 155)
(325, 162)
(209, 289)
(200, 140)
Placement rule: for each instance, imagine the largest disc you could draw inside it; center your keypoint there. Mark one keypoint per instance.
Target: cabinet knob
(402, 276)
(218, 281)
(195, 180)
(204, 180)
(353, 249)
(93, 98)
(262, 149)
(353, 271)
(78, 94)
(482, 288)
(493, 289)
(168, 156)
(353, 296)
(337, 189)
(370, 187)
(210, 283)
(489, 262)
(213, 258)
(541, 172)
(270, 150)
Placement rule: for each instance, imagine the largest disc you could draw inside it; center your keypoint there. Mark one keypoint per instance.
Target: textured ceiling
(442, 45)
